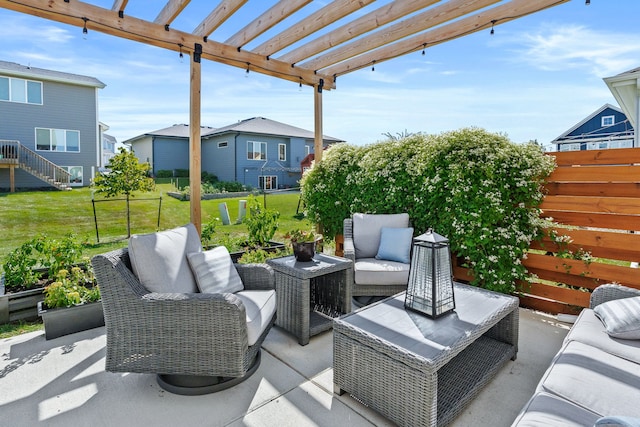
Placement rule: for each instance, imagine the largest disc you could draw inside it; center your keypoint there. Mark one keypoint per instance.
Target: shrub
(164, 173)
(262, 223)
(477, 188)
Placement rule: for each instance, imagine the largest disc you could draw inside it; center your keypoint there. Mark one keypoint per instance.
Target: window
(282, 152)
(569, 147)
(223, 144)
(307, 150)
(20, 90)
(268, 182)
(608, 120)
(256, 150)
(57, 140)
(76, 175)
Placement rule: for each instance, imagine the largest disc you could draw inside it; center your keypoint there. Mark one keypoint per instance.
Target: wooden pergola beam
(119, 5)
(355, 28)
(108, 22)
(417, 23)
(319, 19)
(220, 14)
(275, 14)
(484, 20)
(170, 11)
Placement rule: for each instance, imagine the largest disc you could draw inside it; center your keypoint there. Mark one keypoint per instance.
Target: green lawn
(24, 215)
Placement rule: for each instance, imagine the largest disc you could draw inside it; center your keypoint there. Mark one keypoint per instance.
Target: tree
(125, 176)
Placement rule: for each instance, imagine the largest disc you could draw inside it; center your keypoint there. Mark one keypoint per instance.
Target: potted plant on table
(71, 303)
(303, 243)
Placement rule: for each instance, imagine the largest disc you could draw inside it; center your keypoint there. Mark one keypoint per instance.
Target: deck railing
(35, 164)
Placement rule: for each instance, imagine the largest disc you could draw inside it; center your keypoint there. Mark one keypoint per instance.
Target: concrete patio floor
(62, 382)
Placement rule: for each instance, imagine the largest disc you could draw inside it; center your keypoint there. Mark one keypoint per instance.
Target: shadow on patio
(63, 382)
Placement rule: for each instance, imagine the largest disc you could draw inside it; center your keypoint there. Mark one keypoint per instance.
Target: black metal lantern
(430, 289)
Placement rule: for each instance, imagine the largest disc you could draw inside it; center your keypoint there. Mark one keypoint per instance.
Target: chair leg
(194, 385)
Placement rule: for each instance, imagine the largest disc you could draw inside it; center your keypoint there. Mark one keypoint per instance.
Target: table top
(320, 264)
(476, 311)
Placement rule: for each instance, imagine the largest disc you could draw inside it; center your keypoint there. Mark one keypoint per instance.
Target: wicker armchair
(196, 343)
(373, 277)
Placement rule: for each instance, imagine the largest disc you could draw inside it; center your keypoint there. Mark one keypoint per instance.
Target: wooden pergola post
(195, 163)
(317, 111)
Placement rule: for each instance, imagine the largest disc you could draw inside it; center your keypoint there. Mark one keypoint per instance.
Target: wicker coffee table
(422, 372)
(311, 294)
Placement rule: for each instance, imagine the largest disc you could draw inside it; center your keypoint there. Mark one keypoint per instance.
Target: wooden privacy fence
(595, 197)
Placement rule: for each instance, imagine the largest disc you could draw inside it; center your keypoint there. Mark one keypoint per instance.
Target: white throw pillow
(215, 272)
(621, 317)
(159, 260)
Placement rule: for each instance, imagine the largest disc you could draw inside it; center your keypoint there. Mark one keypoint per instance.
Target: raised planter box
(69, 320)
(19, 305)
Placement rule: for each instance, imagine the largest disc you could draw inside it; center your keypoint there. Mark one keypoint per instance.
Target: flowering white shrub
(477, 188)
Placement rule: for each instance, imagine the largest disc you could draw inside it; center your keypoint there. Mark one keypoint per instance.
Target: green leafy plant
(126, 176)
(298, 235)
(70, 288)
(477, 188)
(260, 256)
(41, 256)
(261, 222)
(208, 230)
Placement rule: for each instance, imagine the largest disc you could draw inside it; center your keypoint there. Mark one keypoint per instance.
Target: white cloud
(563, 47)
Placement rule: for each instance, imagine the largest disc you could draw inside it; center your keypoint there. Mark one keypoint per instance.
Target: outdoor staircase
(15, 155)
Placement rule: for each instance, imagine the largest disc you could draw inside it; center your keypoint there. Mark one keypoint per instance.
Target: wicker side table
(418, 371)
(310, 294)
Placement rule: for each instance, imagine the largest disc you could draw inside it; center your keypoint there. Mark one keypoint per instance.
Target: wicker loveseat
(595, 378)
(195, 342)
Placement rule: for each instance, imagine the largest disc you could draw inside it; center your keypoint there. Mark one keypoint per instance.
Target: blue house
(258, 152)
(607, 127)
(49, 129)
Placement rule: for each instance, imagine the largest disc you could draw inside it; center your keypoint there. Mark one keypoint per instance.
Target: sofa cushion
(371, 271)
(214, 271)
(618, 421)
(159, 260)
(260, 307)
(588, 329)
(621, 317)
(594, 379)
(395, 244)
(366, 231)
(544, 409)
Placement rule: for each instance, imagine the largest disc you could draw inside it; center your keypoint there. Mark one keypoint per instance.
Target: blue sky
(534, 78)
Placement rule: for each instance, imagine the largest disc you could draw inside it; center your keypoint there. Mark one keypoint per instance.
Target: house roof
(624, 87)
(264, 126)
(176, 131)
(565, 135)
(28, 72)
(255, 125)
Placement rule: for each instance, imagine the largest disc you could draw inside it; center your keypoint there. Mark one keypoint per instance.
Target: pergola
(318, 47)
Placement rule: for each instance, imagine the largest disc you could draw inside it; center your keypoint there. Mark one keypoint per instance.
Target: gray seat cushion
(594, 379)
(544, 410)
(371, 271)
(159, 260)
(366, 231)
(260, 307)
(588, 329)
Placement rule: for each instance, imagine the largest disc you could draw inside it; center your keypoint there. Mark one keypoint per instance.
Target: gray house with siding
(259, 152)
(48, 127)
